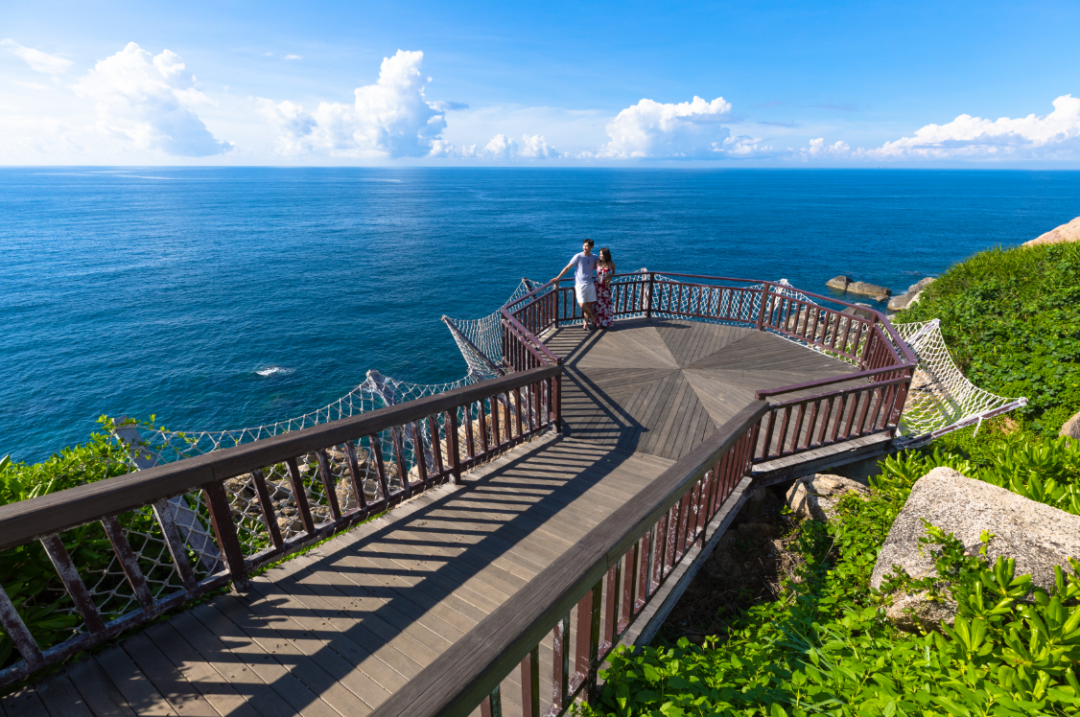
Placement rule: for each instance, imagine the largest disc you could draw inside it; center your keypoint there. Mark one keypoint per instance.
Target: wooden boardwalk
(335, 631)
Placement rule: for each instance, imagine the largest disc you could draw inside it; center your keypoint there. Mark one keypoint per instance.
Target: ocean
(222, 298)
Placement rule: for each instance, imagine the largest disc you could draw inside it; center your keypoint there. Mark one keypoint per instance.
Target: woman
(605, 270)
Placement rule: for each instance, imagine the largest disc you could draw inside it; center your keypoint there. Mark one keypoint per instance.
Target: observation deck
(538, 518)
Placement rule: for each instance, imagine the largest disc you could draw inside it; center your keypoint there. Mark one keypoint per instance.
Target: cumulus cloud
(1053, 135)
(686, 130)
(293, 57)
(531, 147)
(39, 61)
(391, 118)
(819, 150)
(148, 101)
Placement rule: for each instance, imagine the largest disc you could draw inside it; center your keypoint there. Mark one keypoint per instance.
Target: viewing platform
(493, 543)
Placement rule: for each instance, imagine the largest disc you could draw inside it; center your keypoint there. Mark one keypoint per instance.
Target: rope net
(941, 398)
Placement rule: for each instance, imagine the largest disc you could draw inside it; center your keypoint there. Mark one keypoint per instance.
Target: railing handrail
(767, 392)
(853, 389)
(27, 520)
(530, 337)
(460, 678)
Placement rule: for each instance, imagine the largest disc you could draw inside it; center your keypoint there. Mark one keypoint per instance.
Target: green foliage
(26, 573)
(825, 647)
(1012, 321)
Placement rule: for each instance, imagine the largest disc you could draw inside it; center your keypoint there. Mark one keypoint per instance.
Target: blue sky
(780, 84)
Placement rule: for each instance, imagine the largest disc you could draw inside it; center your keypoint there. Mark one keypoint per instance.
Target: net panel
(941, 397)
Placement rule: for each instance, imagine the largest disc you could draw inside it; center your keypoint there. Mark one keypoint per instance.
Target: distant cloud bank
(145, 106)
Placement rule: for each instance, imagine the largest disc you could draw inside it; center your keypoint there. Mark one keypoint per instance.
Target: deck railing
(588, 598)
(130, 548)
(802, 417)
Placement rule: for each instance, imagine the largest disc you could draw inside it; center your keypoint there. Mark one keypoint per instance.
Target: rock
(1037, 536)
(917, 611)
(867, 312)
(814, 497)
(1071, 429)
(920, 285)
(840, 283)
(861, 288)
(1065, 233)
(911, 296)
(346, 498)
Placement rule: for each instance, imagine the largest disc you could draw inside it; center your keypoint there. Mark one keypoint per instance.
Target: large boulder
(866, 312)
(1037, 536)
(1058, 235)
(814, 497)
(861, 288)
(911, 296)
(1071, 429)
(839, 283)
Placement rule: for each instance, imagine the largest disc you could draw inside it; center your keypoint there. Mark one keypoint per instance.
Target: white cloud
(1054, 135)
(687, 130)
(293, 57)
(532, 147)
(148, 102)
(819, 150)
(39, 61)
(391, 118)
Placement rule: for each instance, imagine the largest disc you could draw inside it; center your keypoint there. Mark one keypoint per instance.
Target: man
(584, 265)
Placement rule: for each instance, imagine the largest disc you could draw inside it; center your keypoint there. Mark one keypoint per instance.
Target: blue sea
(223, 298)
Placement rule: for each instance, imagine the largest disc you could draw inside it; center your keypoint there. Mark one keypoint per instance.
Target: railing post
(452, 446)
(556, 398)
(765, 295)
(648, 296)
(228, 541)
(865, 358)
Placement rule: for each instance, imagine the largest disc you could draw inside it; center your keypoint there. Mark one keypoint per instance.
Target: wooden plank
(165, 678)
(264, 664)
(357, 637)
(139, 693)
(264, 697)
(24, 703)
(100, 694)
(199, 672)
(334, 679)
(61, 698)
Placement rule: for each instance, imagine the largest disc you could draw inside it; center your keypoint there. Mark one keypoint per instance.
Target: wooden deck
(337, 630)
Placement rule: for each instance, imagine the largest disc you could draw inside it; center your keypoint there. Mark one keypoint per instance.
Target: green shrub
(1012, 321)
(825, 647)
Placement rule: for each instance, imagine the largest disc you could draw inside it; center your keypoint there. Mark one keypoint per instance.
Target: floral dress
(602, 308)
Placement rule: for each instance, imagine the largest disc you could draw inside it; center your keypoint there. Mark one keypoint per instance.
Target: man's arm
(565, 269)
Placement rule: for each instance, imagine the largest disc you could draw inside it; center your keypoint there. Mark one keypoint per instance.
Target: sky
(722, 84)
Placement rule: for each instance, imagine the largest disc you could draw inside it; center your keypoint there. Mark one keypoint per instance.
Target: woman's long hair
(605, 256)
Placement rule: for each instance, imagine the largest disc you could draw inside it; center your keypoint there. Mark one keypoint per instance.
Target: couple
(593, 294)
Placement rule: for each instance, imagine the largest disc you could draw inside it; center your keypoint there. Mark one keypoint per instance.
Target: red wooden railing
(803, 417)
(336, 475)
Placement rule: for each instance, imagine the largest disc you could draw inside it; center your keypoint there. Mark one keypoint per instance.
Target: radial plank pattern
(661, 387)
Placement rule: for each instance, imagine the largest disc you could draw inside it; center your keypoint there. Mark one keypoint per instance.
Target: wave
(272, 370)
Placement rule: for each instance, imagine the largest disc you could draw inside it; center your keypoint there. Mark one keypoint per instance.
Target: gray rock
(867, 312)
(1065, 233)
(917, 611)
(1037, 536)
(920, 285)
(861, 288)
(1071, 428)
(840, 283)
(814, 497)
(899, 303)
